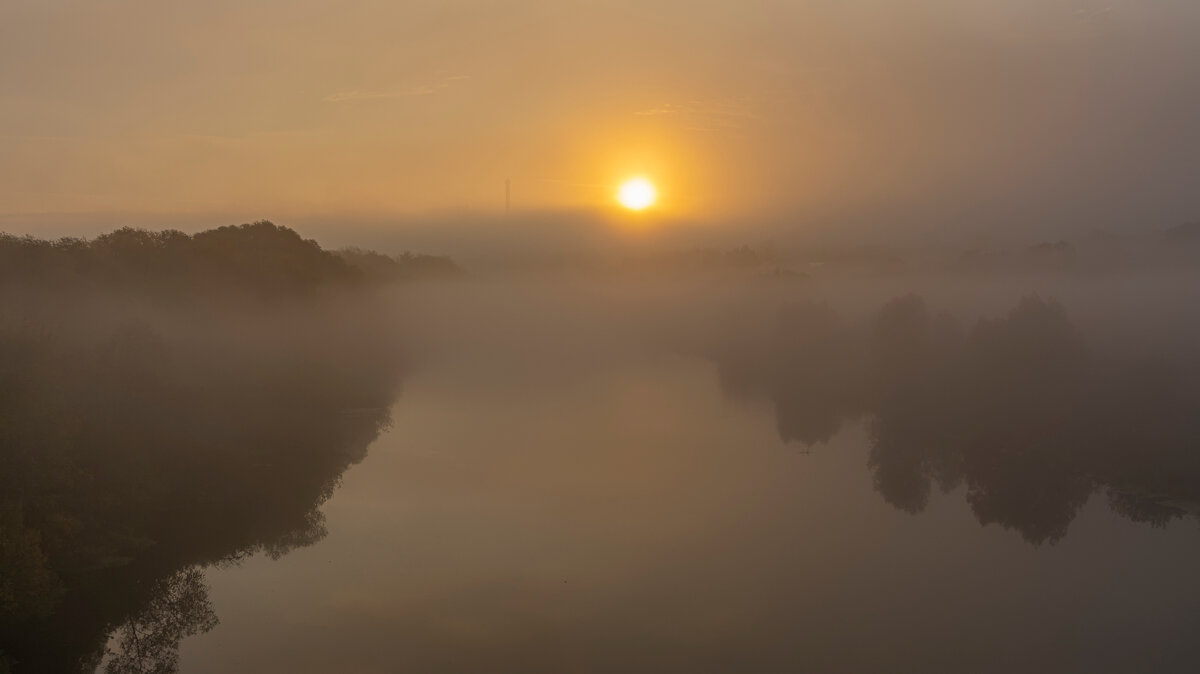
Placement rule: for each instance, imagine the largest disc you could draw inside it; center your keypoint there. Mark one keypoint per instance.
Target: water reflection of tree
(816, 384)
(136, 450)
(1016, 409)
(148, 642)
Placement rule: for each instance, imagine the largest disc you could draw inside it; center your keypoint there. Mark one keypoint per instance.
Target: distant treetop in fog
(406, 266)
(257, 259)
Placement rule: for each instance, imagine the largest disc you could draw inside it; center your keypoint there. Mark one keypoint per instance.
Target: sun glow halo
(637, 194)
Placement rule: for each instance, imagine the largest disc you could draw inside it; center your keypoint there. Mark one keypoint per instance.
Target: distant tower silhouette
(507, 194)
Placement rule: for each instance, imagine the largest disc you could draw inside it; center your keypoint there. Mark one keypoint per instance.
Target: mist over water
(688, 474)
(689, 460)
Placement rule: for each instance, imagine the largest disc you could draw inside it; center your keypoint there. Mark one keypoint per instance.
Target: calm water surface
(629, 516)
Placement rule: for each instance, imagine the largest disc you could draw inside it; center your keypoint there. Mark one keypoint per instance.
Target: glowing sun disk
(637, 194)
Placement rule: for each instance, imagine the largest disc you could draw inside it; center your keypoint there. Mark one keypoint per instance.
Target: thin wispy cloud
(408, 92)
(705, 115)
(561, 181)
(1093, 14)
(665, 109)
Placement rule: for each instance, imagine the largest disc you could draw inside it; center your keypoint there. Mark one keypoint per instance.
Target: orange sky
(374, 108)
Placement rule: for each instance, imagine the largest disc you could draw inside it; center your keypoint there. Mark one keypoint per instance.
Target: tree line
(258, 259)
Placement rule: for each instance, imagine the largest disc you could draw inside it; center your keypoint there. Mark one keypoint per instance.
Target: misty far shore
(588, 242)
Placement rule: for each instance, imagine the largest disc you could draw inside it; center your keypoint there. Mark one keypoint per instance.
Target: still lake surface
(627, 515)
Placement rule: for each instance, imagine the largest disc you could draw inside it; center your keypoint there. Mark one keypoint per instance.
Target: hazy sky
(918, 113)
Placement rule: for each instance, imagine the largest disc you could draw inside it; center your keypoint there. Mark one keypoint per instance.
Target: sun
(637, 194)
